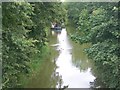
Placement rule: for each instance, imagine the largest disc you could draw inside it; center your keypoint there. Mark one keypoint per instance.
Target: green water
(67, 65)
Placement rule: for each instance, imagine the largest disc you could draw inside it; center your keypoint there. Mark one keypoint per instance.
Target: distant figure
(53, 25)
(56, 25)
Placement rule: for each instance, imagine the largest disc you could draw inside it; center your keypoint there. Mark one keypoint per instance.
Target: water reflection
(67, 65)
(79, 58)
(46, 77)
(70, 61)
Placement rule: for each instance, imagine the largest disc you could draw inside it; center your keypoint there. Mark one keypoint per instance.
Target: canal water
(67, 66)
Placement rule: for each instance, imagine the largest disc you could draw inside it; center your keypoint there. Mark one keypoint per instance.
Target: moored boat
(56, 27)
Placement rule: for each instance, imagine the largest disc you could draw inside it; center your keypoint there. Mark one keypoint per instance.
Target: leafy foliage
(23, 35)
(97, 23)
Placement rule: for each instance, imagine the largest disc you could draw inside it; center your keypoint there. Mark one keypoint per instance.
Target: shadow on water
(67, 67)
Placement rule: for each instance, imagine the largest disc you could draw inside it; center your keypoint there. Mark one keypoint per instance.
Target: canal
(67, 66)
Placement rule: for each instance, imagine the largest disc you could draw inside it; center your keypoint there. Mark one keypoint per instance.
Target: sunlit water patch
(71, 75)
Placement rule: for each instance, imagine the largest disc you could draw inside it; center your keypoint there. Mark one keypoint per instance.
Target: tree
(24, 34)
(97, 23)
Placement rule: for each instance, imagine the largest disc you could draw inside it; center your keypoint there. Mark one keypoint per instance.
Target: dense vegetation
(97, 23)
(24, 34)
(25, 28)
